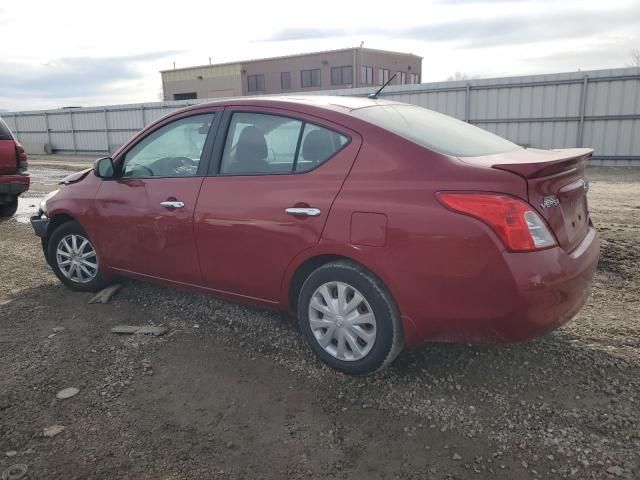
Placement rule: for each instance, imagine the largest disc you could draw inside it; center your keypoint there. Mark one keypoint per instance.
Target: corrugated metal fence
(598, 109)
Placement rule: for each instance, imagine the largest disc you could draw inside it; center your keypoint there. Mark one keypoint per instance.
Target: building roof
(373, 50)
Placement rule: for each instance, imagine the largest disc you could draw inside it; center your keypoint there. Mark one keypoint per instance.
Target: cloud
(492, 31)
(463, 2)
(305, 33)
(591, 57)
(72, 77)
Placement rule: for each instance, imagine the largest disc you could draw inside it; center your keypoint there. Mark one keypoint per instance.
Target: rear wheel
(8, 206)
(74, 258)
(349, 319)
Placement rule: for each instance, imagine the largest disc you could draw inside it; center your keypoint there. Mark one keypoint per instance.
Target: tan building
(330, 70)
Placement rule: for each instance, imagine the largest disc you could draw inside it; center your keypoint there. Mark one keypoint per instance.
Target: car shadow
(558, 367)
(560, 362)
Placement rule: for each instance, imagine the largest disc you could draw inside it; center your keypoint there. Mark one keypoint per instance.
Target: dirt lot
(232, 392)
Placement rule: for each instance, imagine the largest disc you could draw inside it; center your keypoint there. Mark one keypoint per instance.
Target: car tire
(74, 259)
(357, 330)
(8, 209)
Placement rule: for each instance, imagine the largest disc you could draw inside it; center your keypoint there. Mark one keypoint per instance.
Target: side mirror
(103, 167)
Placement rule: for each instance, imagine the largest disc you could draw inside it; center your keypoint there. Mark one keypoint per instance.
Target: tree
(635, 58)
(457, 77)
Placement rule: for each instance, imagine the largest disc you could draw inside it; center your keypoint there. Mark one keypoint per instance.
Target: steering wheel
(178, 163)
(138, 167)
(181, 161)
(170, 166)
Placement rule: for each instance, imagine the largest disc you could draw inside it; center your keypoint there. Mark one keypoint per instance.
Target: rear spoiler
(532, 163)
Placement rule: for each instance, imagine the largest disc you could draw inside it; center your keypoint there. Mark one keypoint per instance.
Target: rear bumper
(536, 293)
(549, 301)
(14, 184)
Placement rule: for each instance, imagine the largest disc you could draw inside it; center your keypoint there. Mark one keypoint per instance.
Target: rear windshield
(5, 133)
(435, 131)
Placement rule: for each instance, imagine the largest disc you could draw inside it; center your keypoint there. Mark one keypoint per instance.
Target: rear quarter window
(5, 133)
(435, 131)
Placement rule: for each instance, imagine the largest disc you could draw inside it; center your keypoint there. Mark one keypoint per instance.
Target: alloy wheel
(76, 258)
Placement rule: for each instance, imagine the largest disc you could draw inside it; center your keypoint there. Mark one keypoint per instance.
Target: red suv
(14, 177)
(378, 224)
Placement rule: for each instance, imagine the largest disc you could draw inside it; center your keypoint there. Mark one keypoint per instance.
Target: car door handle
(303, 211)
(172, 204)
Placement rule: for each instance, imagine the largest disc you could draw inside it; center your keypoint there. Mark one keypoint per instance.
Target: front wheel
(349, 319)
(74, 258)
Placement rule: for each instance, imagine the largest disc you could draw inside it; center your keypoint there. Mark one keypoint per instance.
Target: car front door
(146, 212)
(273, 180)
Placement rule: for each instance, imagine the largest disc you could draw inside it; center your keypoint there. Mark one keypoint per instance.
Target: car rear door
(273, 180)
(146, 213)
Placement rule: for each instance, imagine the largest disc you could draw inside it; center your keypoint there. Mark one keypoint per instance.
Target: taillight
(516, 223)
(21, 156)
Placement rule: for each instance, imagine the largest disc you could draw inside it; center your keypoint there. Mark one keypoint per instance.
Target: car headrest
(252, 146)
(317, 146)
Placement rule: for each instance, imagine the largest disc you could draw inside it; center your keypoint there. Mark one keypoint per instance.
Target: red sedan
(379, 224)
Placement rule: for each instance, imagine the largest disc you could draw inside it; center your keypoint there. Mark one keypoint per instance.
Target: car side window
(173, 150)
(263, 144)
(319, 144)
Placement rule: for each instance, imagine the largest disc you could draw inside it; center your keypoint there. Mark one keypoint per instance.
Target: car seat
(251, 152)
(317, 147)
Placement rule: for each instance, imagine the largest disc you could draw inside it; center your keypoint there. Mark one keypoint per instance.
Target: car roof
(342, 104)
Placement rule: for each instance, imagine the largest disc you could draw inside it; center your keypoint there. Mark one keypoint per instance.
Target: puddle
(44, 178)
(28, 206)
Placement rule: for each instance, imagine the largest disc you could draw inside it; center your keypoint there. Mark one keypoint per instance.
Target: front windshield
(435, 131)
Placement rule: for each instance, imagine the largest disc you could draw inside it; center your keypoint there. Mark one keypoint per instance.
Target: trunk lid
(556, 186)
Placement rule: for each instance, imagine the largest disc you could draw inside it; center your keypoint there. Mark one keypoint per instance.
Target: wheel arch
(302, 272)
(62, 225)
(304, 264)
(58, 220)
(54, 223)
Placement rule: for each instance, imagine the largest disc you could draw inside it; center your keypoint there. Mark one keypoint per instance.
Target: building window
(285, 80)
(383, 76)
(185, 96)
(367, 75)
(415, 78)
(310, 78)
(401, 79)
(255, 83)
(342, 75)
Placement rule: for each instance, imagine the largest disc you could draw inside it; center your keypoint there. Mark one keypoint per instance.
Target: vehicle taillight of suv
(14, 175)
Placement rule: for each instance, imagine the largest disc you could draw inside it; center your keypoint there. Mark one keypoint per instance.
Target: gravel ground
(232, 392)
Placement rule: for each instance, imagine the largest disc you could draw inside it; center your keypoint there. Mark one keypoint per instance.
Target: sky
(87, 53)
